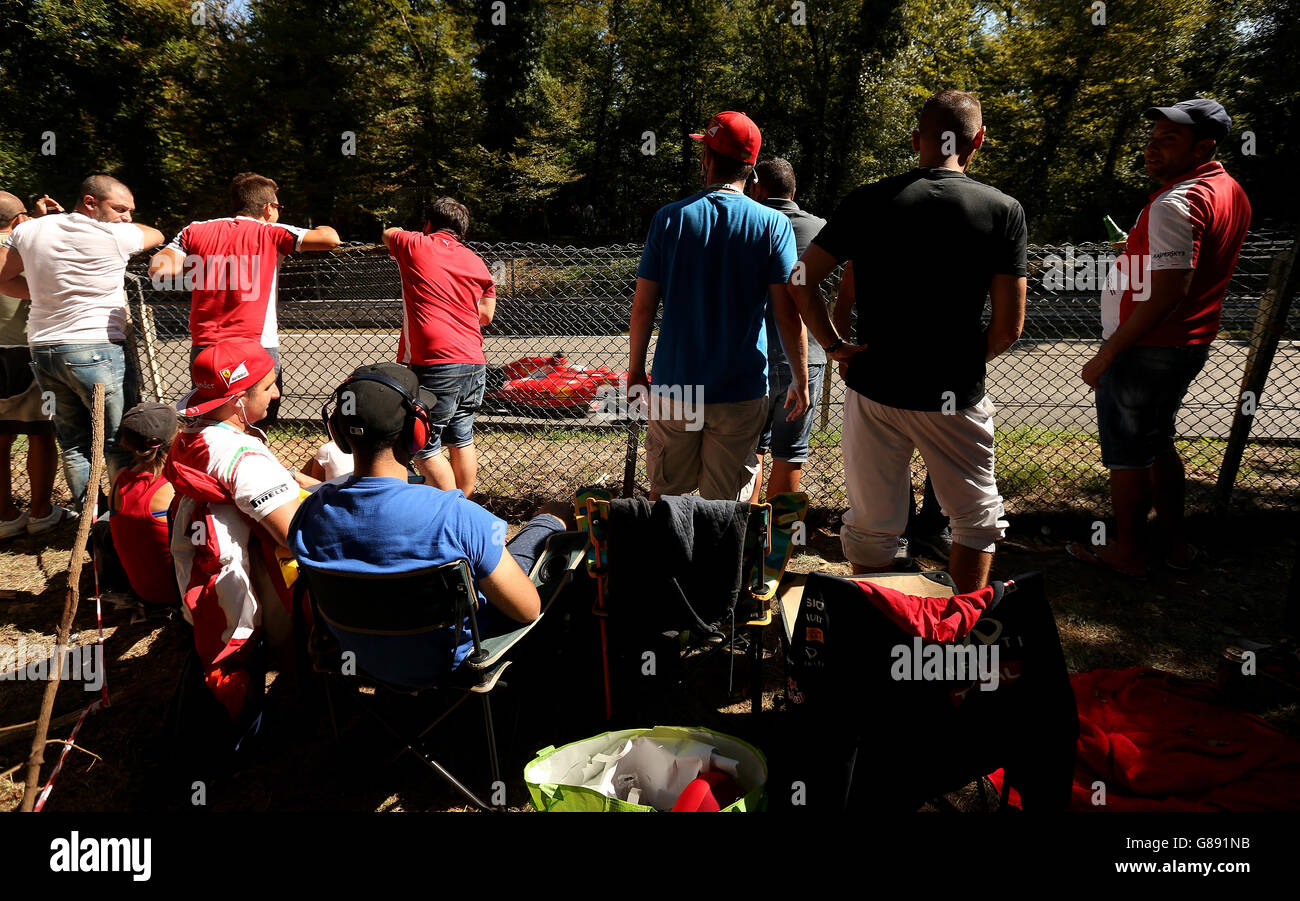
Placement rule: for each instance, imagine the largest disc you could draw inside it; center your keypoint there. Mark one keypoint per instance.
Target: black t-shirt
(925, 246)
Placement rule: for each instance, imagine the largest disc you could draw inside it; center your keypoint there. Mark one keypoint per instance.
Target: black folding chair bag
(877, 731)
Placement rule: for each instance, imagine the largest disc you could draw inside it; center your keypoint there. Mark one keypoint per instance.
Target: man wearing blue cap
(1160, 311)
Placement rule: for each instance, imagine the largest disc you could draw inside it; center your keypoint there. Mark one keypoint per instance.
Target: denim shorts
(1138, 399)
(459, 388)
(788, 441)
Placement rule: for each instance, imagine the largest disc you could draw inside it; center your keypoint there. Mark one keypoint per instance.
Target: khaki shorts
(712, 458)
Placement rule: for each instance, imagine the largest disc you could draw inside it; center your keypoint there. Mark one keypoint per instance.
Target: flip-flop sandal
(1195, 557)
(1083, 554)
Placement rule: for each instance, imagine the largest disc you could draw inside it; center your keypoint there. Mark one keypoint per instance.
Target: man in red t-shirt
(448, 295)
(231, 267)
(1160, 311)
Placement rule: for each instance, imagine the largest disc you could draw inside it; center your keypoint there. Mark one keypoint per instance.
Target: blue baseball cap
(1207, 117)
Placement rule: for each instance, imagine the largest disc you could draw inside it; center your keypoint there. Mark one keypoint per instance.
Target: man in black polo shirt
(928, 247)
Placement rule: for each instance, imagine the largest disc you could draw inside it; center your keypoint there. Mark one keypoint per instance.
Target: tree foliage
(531, 110)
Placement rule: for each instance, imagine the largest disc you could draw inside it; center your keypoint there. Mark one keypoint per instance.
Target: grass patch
(1038, 469)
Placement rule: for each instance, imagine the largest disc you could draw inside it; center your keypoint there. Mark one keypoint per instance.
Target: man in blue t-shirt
(374, 521)
(712, 259)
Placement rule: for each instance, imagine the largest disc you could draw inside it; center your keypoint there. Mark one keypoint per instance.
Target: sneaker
(11, 527)
(904, 562)
(57, 515)
(903, 554)
(939, 544)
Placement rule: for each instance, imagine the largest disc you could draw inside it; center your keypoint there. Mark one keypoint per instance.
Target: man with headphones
(234, 502)
(375, 521)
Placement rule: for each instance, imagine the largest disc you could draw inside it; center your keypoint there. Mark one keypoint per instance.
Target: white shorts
(958, 452)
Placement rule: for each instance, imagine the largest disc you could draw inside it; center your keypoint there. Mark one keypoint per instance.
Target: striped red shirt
(232, 268)
(1197, 222)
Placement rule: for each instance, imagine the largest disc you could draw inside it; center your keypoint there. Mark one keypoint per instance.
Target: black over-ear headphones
(415, 426)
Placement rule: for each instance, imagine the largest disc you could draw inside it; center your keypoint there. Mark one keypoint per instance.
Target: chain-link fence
(539, 437)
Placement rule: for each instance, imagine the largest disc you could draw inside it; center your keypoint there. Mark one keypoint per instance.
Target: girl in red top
(139, 504)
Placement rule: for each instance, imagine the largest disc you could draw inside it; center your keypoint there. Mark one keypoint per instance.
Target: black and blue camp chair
(868, 738)
(672, 622)
(408, 604)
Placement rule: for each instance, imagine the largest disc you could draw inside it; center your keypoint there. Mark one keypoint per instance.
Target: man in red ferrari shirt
(231, 267)
(1160, 311)
(448, 295)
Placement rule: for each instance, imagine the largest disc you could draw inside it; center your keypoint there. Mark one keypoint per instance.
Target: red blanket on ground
(1161, 743)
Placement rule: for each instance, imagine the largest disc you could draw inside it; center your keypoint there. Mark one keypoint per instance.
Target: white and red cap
(223, 370)
(733, 135)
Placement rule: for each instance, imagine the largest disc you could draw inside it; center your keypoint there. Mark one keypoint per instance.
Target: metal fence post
(1269, 323)
(831, 370)
(629, 462)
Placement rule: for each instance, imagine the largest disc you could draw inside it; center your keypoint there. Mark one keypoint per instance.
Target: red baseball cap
(223, 370)
(733, 135)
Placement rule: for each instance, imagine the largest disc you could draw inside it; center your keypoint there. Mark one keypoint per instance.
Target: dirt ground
(1179, 622)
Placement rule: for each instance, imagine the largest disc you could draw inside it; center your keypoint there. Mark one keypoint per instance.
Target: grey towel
(675, 564)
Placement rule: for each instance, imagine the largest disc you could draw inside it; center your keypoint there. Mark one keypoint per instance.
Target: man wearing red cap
(1159, 313)
(712, 259)
(235, 505)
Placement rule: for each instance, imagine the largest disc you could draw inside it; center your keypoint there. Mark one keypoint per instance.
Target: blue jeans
(69, 372)
(459, 388)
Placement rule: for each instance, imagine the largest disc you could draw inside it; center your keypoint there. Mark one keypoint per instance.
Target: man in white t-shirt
(73, 267)
(235, 502)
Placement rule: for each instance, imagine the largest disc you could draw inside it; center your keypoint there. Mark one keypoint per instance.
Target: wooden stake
(37, 755)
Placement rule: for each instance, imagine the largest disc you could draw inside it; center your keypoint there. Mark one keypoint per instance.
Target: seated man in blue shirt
(373, 521)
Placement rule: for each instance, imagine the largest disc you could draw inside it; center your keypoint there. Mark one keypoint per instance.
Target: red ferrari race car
(538, 385)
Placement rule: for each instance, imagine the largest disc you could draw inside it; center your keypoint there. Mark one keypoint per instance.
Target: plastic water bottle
(1114, 234)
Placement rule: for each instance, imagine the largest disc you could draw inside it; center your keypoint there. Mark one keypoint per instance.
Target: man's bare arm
(152, 237)
(277, 522)
(322, 237)
(845, 298)
(388, 236)
(805, 287)
(509, 589)
(11, 282)
(166, 264)
(487, 309)
(1007, 293)
(645, 303)
(1168, 289)
(794, 338)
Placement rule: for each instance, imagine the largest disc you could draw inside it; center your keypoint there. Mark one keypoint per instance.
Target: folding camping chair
(768, 542)
(873, 736)
(408, 604)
